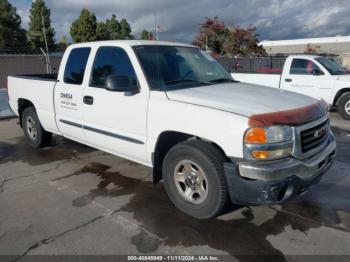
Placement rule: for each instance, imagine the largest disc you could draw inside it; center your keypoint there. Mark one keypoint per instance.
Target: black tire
(343, 104)
(42, 138)
(211, 161)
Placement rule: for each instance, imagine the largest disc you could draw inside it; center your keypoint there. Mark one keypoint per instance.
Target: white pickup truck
(174, 108)
(311, 75)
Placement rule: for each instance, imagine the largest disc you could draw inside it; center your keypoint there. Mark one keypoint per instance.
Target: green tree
(113, 28)
(146, 35)
(63, 43)
(11, 33)
(84, 28)
(36, 32)
(64, 40)
(125, 30)
(102, 32)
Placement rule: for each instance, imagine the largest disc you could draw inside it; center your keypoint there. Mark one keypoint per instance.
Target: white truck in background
(172, 107)
(311, 75)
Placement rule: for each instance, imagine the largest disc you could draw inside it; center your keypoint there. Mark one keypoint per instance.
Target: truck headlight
(266, 143)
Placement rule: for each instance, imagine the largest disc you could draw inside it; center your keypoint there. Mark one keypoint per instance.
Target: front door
(115, 121)
(68, 94)
(306, 77)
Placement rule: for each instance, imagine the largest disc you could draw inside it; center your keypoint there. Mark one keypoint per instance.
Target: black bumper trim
(245, 191)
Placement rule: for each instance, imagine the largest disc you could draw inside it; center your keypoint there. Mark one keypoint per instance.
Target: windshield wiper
(187, 80)
(222, 80)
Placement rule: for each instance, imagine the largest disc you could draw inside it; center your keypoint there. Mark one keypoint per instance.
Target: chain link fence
(57, 51)
(12, 64)
(269, 64)
(253, 64)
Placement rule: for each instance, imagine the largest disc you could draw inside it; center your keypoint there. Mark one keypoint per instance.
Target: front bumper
(276, 181)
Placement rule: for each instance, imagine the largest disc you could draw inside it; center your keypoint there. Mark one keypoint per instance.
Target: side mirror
(121, 83)
(317, 72)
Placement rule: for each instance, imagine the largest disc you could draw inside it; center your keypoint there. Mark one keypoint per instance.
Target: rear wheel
(193, 173)
(344, 106)
(36, 136)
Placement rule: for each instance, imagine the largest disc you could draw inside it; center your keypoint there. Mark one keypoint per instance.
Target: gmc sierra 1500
(172, 107)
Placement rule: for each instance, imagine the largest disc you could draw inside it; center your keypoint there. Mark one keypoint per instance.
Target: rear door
(116, 121)
(308, 78)
(68, 93)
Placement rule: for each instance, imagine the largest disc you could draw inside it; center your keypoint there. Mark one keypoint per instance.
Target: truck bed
(39, 90)
(42, 77)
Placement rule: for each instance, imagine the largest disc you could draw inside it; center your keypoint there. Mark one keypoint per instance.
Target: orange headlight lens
(256, 135)
(260, 154)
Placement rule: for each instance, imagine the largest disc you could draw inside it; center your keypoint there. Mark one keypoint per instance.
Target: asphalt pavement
(5, 110)
(70, 199)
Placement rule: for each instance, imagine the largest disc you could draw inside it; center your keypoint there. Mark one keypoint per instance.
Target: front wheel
(193, 173)
(344, 106)
(36, 136)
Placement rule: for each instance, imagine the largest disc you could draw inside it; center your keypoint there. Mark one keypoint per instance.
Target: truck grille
(315, 136)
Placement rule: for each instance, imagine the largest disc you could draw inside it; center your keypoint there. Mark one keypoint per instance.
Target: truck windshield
(175, 67)
(332, 66)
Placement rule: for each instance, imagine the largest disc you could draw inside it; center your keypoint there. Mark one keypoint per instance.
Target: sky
(180, 20)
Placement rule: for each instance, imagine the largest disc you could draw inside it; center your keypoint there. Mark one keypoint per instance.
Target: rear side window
(111, 61)
(76, 64)
(303, 67)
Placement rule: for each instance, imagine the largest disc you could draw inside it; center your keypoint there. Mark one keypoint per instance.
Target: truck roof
(130, 43)
(306, 56)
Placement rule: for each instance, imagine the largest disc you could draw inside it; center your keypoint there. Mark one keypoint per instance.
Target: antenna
(49, 71)
(47, 63)
(156, 26)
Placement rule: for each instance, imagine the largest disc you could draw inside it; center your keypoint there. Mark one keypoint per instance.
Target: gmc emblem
(322, 131)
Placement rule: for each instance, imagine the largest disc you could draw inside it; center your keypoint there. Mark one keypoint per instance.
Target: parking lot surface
(5, 110)
(73, 199)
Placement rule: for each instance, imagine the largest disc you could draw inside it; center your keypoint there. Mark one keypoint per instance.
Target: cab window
(303, 67)
(75, 66)
(110, 61)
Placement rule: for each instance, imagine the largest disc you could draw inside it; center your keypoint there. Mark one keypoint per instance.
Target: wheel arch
(339, 94)
(167, 140)
(23, 104)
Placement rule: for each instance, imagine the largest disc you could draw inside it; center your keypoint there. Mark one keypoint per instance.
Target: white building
(339, 45)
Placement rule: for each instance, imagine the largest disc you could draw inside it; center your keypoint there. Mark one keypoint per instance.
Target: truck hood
(251, 100)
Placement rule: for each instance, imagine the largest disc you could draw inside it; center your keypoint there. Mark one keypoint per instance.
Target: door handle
(89, 100)
(288, 80)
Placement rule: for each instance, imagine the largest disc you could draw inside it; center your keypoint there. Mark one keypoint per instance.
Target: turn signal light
(256, 135)
(260, 154)
(271, 154)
